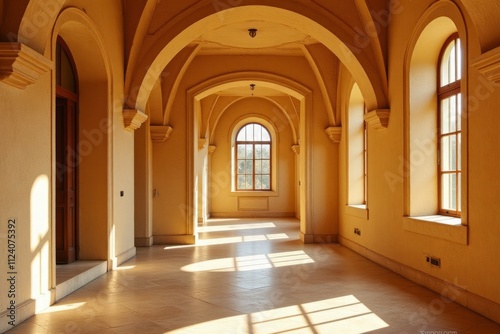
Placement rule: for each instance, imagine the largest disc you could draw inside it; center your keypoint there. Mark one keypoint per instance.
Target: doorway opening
(67, 157)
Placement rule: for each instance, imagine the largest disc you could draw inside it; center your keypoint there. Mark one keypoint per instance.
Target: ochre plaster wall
(27, 159)
(25, 197)
(471, 267)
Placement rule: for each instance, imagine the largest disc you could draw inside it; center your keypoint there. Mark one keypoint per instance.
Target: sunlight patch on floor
(243, 238)
(251, 262)
(222, 228)
(62, 308)
(337, 315)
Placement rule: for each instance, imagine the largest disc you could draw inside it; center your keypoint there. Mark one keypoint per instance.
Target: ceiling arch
(171, 39)
(243, 79)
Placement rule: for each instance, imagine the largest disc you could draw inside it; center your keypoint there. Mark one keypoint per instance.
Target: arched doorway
(66, 123)
(87, 92)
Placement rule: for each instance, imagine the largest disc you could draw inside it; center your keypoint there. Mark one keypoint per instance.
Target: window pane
(242, 135)
(249, 182)
(258, 132)
(258, 181)
(453, 113)
(241, 182)
(265, 135)
(249, 152)
(241, 152)
(241, 167)
(448, 153)
(448, 193)
(258, 166)
(451, 68)
(459, 152)
(266, 151)
(258, 151)
(266, 167)
(459, 112)
(250, 136)
(459, 191)
(445, 116)
(452, 63)
(249, 167)
(266, 182)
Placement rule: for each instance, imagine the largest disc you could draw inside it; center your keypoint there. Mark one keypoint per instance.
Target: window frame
(253, 143)
(445, 92)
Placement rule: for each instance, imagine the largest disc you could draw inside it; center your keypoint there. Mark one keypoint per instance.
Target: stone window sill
(359, 211)
(270, 193)
(437, 226)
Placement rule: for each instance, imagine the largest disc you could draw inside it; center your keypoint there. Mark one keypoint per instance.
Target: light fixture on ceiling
(252, 32)
(252, 88)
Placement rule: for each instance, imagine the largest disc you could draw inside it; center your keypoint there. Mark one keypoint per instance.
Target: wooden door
(66, 181)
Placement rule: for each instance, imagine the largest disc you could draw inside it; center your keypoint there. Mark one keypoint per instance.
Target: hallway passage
(253, 276)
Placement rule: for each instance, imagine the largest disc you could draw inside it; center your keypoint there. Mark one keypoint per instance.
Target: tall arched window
(253, 158)
(450, 127)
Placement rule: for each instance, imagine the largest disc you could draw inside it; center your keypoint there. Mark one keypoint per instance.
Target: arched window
(253, 158)
(357, 149)
(450, 127)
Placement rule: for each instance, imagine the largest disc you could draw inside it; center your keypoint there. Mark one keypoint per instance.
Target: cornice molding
(160, 133)
(133, 119)
(488, 64)
(21, 66)
(334, 133)
(378, 119)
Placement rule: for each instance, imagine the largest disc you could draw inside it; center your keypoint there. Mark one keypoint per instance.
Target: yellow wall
(384, 236)
(106, 152)
(97, 37)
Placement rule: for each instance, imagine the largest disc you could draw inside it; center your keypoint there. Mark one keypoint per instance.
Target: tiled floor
(253, 277)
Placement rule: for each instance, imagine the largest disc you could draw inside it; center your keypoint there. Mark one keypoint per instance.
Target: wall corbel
(20, 66)
(160, 133)
(378, 119)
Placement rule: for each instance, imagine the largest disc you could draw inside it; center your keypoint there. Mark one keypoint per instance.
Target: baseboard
(476, 303)
(125, 256)
(174, 239)
(25, 310)
(143, 241)
(252, 214)
(319, 238)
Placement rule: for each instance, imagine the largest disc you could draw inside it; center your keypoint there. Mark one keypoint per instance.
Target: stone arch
(276, 82)
(170, 41)
(94, 129)
(304, 162)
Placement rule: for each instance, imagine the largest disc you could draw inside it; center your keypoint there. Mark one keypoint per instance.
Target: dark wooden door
(66, 181)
